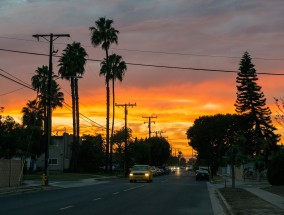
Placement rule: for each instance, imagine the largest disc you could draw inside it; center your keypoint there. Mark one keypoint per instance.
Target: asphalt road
(177, 194)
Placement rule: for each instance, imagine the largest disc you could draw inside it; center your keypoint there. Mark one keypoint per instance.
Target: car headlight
(147, 174)
(131, 174)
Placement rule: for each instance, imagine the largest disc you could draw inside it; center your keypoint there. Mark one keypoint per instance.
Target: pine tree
(251, 101)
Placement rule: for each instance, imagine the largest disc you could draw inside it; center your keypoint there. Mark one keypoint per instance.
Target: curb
(226, 205)
(23, 189)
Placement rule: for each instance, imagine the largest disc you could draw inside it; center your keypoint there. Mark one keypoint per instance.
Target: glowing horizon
(210, 35)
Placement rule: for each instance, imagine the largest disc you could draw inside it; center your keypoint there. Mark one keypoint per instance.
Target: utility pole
(158, 132)
(50, 38)
(149, 122)
(126, 132)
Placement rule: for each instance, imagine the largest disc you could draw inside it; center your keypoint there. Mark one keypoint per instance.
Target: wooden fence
(10, 172)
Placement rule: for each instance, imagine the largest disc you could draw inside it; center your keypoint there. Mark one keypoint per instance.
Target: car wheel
(130, 181)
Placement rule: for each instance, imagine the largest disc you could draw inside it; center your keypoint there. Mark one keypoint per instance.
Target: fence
(10, 172)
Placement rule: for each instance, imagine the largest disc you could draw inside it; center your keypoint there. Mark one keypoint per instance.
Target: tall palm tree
(117, 71)
(71, 65)
(104, 34)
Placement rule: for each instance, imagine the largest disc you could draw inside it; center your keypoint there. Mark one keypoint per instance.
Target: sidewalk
(35, 185)
(251, 186)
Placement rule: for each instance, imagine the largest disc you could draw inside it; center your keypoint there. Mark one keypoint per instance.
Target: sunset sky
(203, 34)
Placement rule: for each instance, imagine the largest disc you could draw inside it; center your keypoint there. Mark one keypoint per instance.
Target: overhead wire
(18, 81)
(155, 52)
(4, 94)
(153, 65)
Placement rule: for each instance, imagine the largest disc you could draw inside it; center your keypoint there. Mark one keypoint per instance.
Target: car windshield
(202, 171)
(140, 168)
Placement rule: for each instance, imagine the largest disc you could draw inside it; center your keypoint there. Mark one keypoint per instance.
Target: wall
(10, 172)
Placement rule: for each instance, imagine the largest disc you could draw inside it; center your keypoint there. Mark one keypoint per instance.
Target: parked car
(189, 168)
(154, 171)
(165, 170)
(172, 169)
(140, 173)
(159, 171)
(202, 174)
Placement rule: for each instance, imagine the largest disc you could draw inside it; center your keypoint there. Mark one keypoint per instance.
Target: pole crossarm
(158, 132)
(149, 122)
(52, 37)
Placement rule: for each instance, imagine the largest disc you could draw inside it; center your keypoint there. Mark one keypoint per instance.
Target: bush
(275, 172)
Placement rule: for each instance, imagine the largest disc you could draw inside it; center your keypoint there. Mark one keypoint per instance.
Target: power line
(29, 87)
(4, 94)
(156, 66)
(158, 52)
(16, 81)
(96, 124)
(190, 54)
(14, 76)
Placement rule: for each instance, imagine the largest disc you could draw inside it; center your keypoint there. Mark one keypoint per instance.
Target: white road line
(133, 188)
(115, 193)
(97, 199)
(164, 181)
(66, 207)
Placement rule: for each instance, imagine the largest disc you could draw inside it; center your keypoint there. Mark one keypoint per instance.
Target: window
(52, 161)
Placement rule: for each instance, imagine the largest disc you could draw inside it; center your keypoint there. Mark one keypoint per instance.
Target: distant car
(189, 168)
(172, 169)
(202, 174)
(165, 170)
(154, 171)
(159, 171)
(140, 173)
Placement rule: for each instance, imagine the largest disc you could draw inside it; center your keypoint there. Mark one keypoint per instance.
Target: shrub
(275, 172)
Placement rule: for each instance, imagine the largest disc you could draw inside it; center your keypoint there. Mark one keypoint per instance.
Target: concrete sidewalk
(269, 197)
(253, 187)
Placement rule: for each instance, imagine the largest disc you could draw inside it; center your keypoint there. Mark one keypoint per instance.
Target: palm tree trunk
(107, 117)
(45, 118)
(73, 109)
(77, 111)
(112, 126)
(74, 151)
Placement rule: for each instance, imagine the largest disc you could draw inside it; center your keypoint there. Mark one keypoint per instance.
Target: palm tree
(117, 71)
(32, 114)
(72, 65)
(39, 83)
(103, 33)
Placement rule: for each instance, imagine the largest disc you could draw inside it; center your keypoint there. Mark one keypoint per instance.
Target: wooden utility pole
(126, 132)
(149, 122)
(158, 132)
(50, 38)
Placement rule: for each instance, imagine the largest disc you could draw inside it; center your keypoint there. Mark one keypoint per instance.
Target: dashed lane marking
(66, 207)
(132, 188)
(97, 199)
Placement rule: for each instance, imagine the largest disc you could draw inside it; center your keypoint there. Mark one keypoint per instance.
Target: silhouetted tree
(251, 101)
(103, 33)
(117, 70)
